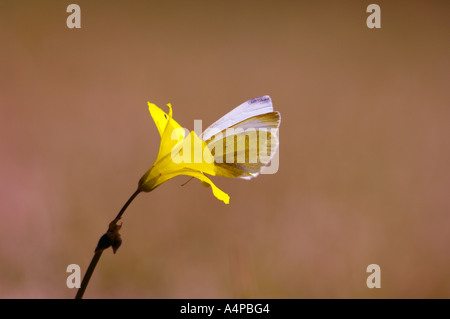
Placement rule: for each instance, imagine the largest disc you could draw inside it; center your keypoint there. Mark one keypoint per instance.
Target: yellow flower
(179, 155)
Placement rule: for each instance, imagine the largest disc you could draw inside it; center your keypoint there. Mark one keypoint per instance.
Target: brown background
(364, 148)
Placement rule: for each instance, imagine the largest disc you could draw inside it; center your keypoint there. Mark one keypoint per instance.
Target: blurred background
(364, 148)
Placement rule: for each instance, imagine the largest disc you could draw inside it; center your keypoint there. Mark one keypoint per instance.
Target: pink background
(364, 148)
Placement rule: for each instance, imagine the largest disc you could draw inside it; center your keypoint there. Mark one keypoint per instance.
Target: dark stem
(110, 238)
(88, 274)
(119, 215)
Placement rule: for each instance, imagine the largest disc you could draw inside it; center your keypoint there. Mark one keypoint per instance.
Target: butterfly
(245, 140)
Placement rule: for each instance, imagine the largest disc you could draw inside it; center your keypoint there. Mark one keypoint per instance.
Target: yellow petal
(199, 159)
(172, 135)
(218, 193)
(159, 117)
(193, 153)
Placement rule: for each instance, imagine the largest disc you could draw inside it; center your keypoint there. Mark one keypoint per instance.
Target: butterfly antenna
(190, 179)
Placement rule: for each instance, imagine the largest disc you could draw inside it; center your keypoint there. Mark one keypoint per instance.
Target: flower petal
(218, 193)
(172, 135)
(193, 153)
(173, 141)
(159, 116)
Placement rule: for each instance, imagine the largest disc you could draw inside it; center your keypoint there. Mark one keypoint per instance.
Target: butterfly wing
(245, 139)
(251, 108)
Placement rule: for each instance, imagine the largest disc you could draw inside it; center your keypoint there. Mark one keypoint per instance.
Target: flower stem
(88, 274)
(111, 237)
(119, 215)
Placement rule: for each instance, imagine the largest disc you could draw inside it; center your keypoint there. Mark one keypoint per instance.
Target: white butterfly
(256, 118)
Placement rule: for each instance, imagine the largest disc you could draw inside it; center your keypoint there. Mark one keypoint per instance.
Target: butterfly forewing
(244, 148)
(254, 107)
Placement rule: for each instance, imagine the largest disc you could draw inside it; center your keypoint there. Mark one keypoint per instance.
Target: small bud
(116, 243)
(110, 238)
(103, 243)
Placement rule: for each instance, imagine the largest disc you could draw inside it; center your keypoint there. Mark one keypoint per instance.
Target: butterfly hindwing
(244, 148)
